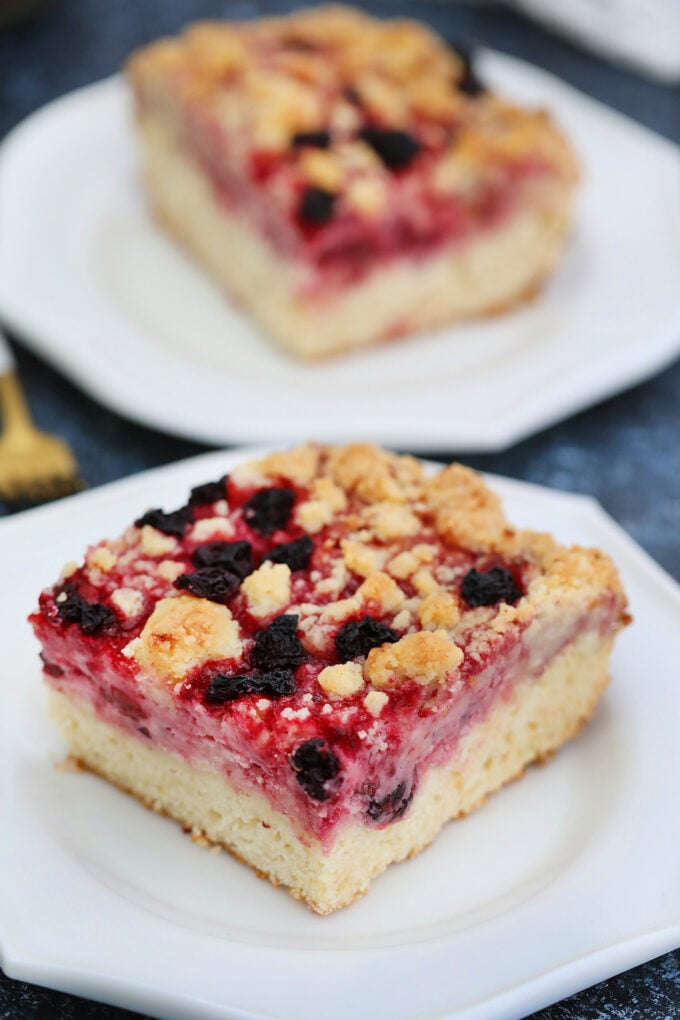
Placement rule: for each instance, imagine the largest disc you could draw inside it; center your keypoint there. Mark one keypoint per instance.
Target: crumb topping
(343, 115)
(267, 590)
(424, 657)
(180, 634)
(343, 679)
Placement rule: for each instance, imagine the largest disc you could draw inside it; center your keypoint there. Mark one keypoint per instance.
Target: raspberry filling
(264, 720)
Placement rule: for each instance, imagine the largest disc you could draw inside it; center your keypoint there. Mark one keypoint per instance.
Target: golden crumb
(342, 680)
(128, 601)
(267, 589)
(375, 701)
(154, 543)
(183, 632)
(439, 610)
(102, 559)
(426, 657)
(382, 593)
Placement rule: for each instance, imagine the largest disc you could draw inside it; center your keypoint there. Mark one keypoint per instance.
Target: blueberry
(235, 557)
(269, 510)
(170, 524)
(487, 587)
(311, 139)
(352, 95)
(91, 616)
(278, 646)
(209, 492)
(317, 206)
(468, 83)
(212, 583)
(392, 806)
(296, 553)
(395, 148)
(315, 766)
(358, 637)
(275, 683)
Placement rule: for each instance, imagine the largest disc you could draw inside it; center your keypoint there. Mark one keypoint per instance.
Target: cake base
(540, 715)
(481, 276)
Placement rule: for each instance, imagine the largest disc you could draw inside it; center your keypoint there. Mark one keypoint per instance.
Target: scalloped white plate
(90, 283)
(557, 882)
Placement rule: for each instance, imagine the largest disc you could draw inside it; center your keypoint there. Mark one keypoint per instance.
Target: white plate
(558, 882)
(94, 286)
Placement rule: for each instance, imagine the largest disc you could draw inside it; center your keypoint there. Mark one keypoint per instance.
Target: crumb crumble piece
(342, 680)
(383, 591)
(211, 527)
(267, 589)
(375, 701)
(129, 601)
(170, 570)
(361, 559)
(426, 657)
(102, 559)
(439, 610)
(154, 543)
(183, 632)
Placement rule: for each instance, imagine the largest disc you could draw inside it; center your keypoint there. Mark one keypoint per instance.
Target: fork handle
(14, 408)
(15, 411)
(6, 356)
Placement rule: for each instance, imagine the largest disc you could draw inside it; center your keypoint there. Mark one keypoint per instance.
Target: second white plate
(557, 882)
(90, 282)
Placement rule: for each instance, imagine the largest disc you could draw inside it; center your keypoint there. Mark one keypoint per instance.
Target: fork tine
(42, 490)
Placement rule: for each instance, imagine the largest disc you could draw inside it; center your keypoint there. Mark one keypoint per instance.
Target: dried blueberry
(209, 492)
(311, 139)
(392, 806)
(358, 637)
(315, 765)
(293, 42)
(91, 616)
(468, 83)
(274, 683)
(487, 587)
(235, 557)
(173, 523)
(212, 583)
(395, 148)
(269, 509)
(316, 206)
(296, 553)
(278, 646)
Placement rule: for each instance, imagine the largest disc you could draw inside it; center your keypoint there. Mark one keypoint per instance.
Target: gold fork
(34, 467)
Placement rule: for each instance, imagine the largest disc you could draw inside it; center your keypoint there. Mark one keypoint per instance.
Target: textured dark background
(626, 451)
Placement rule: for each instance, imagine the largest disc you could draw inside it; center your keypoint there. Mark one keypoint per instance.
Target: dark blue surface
(626, 452)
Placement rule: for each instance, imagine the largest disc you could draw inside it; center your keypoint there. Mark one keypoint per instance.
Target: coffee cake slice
(348, 179)
(322, 658)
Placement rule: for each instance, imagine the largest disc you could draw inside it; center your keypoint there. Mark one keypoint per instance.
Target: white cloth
(642, 33)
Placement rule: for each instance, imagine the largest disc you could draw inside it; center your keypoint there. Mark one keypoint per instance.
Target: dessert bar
(319, 660)
(347, 179)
